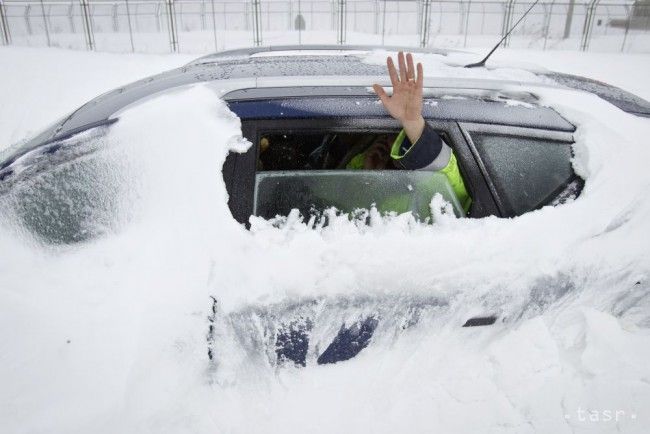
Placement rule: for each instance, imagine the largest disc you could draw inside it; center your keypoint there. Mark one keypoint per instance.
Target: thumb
(381, 93)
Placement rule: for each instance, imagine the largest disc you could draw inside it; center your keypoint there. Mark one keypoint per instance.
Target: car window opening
(350, 171)
(325, 151)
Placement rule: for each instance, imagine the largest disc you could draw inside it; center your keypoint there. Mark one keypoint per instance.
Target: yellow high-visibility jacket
(430, 153)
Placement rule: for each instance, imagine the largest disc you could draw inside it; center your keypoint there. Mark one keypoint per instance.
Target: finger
(420, 80)
(392, 72)
(410, 71)
(402, 66)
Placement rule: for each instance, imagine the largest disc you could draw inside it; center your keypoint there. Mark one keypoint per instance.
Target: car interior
(323, 151)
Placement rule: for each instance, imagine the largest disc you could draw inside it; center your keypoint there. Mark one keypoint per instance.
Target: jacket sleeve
(430, 153)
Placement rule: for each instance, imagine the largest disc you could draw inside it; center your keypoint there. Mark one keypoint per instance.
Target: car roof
(484, 109)
(254, 68)
(319, 67)
(318, 49)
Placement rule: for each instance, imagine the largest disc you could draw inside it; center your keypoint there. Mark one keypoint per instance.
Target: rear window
(622, 99)
(528, 172)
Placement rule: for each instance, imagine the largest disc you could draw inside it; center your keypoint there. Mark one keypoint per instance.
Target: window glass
(66, 191)
(312, 191)
(350, 171)
(528, 172)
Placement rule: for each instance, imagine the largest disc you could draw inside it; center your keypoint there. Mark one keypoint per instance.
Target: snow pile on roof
(110, 336)
(452, 65)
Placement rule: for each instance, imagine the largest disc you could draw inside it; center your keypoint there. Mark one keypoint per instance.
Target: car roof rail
(248, 52)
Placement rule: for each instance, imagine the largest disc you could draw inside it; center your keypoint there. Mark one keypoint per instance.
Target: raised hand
(405, 104)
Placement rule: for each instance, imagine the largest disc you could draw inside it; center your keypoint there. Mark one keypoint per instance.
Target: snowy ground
(40, 85)
(201, 41)
(111, 336)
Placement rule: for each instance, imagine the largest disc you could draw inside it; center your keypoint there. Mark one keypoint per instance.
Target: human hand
(377, 156)
(405, 104)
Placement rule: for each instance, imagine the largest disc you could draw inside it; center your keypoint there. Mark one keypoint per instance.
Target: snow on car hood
(111, 335)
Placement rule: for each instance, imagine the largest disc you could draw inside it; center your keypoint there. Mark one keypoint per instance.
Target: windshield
(312, 191)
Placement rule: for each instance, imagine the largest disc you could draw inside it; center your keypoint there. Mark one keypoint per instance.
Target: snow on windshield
(110, 335)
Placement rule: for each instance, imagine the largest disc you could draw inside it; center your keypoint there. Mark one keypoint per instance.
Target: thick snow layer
(627, 71)
(110, 336)
(448, 66)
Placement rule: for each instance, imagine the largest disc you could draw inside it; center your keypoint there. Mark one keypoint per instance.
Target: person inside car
(418, 146)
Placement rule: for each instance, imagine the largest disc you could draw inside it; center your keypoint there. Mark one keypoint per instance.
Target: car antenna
(482, 62)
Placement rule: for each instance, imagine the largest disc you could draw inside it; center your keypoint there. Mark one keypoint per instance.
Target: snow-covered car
(307, 111)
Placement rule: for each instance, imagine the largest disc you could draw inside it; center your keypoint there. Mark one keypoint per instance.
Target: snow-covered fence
(208, 25)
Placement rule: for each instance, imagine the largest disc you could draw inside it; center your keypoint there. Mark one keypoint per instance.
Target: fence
(208, 25)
